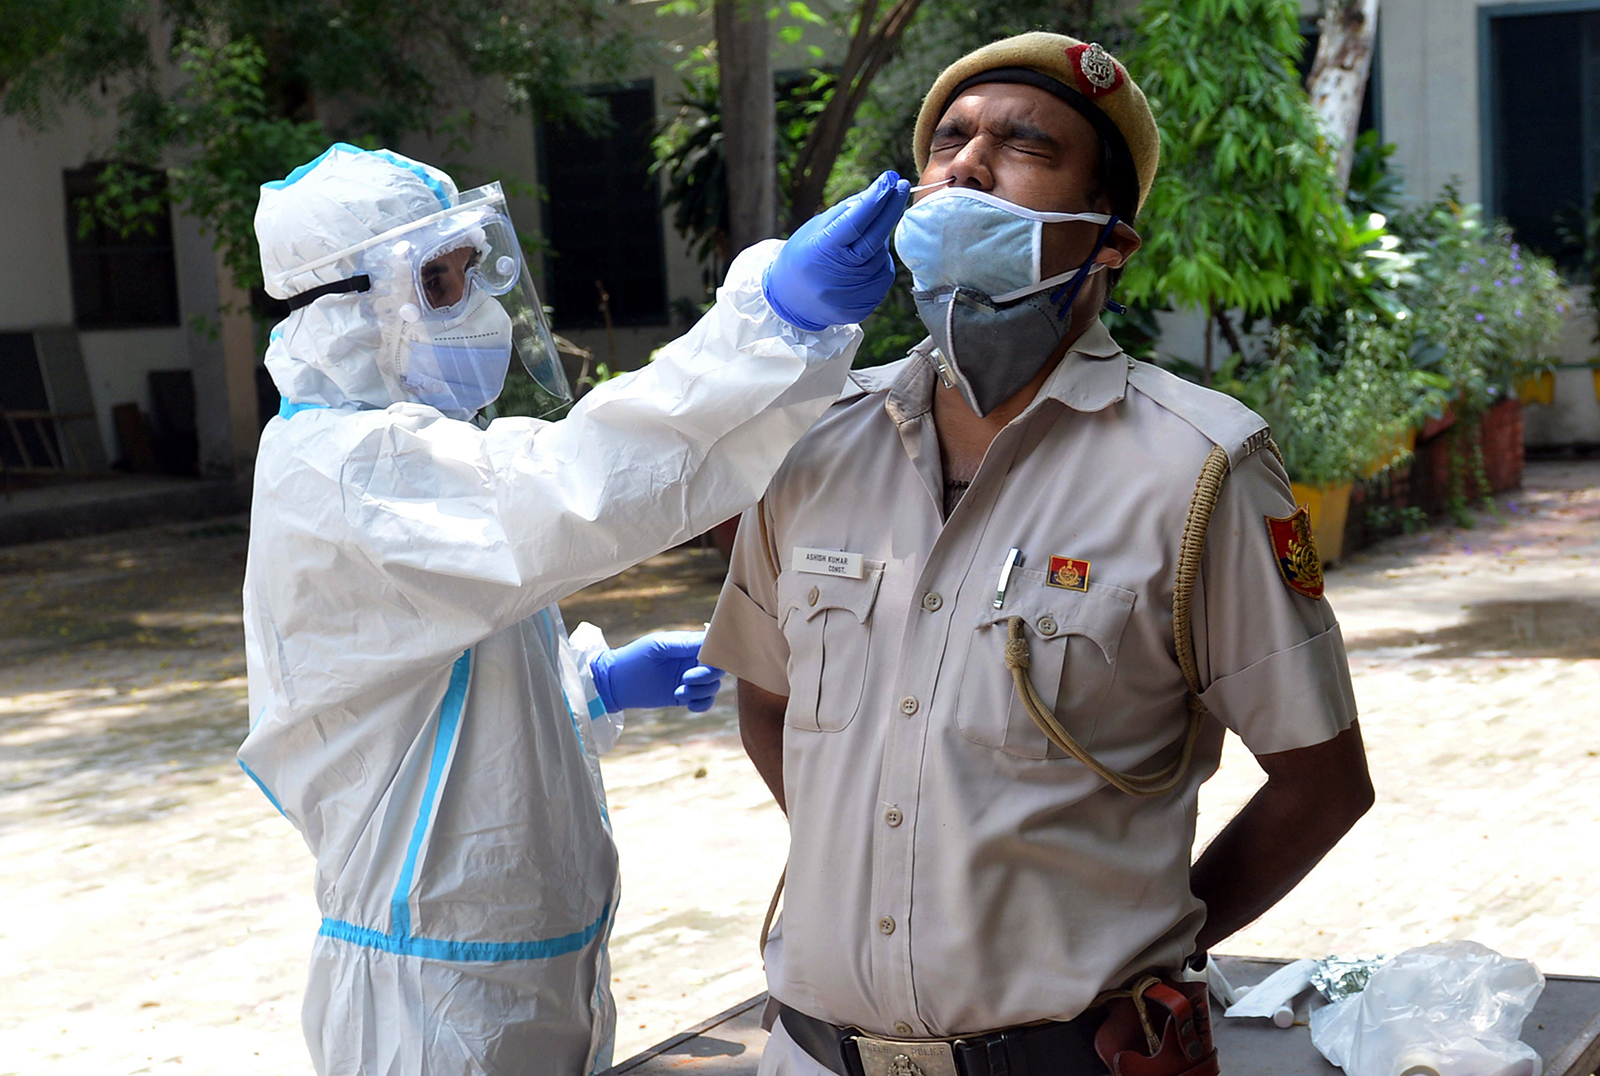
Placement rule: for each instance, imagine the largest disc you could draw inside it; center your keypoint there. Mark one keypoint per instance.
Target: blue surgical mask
(960, 237)
(976, 273)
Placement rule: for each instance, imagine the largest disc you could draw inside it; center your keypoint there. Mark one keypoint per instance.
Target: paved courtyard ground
(155, 913)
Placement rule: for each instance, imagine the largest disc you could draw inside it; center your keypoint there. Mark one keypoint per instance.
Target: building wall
(36, 281)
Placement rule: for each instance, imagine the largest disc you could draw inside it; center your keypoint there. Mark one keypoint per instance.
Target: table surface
(1564, 1027)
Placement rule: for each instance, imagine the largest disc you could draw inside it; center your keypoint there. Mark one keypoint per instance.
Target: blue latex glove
(836, 268)
(661, 669)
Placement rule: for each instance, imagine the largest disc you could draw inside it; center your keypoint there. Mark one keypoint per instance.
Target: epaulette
(1221, 419)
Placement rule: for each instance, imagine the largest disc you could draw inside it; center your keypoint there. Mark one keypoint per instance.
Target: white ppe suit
(417, 710)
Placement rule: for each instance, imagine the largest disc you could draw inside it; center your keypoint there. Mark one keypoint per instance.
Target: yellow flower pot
(1540, 388)
(1402, 446)
(1328, 506)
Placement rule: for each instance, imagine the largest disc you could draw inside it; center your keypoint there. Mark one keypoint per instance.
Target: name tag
(828, 562)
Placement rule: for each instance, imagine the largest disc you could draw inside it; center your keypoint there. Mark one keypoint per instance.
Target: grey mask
(988, 351)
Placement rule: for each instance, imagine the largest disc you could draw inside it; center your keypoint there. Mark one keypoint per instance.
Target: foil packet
(1339, 977)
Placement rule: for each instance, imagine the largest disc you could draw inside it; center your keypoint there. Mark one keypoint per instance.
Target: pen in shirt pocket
(1013, 560)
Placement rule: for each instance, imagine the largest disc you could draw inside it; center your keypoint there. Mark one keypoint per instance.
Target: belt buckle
(897, 1057)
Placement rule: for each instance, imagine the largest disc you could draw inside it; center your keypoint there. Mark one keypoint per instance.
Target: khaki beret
(1084, 70)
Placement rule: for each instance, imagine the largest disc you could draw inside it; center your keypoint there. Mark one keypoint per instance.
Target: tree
(1338, 81)
(744, 68)
(266, 83)
(1245, 213)
(894, 57)
(874, 39)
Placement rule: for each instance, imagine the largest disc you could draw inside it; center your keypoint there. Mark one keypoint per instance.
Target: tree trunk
(1211, 328)
(744, 63)
(871, 46)
(1338, 79)
(1232, 337)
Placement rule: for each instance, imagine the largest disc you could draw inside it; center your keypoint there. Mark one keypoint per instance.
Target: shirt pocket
(828, 623)
(1073, 638)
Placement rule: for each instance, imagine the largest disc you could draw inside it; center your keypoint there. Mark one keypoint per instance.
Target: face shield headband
(454, 298)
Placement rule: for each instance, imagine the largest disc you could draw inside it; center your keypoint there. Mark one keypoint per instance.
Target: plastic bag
(1450, 1009)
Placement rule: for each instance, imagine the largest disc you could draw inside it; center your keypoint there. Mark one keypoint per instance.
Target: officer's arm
(1273, 664)
(761, 729)
(1312, 797)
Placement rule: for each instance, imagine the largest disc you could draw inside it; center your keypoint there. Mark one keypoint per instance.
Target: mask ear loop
(1064, 306)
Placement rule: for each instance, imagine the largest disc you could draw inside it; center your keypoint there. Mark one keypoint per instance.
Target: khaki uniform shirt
(951, 871)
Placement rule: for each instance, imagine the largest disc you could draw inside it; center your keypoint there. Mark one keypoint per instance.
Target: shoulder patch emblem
(1296, 550)
(1068, 574)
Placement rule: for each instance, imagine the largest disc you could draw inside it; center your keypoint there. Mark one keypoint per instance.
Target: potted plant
(1328, 424)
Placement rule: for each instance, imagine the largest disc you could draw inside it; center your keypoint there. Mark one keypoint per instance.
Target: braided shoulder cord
(1190, 551)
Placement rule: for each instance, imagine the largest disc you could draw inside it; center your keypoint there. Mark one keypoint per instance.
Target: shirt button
(893, 816)
(902, 1028)
(1047, 626)
(932, 602)
(908, 705)
(811, 598)
(886, 925)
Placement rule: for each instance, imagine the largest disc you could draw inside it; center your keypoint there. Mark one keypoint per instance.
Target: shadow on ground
(159, 588)
(677, 590)
(1554, 628)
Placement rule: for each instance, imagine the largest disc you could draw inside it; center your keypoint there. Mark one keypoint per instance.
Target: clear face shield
(473, 307)
(457, 302)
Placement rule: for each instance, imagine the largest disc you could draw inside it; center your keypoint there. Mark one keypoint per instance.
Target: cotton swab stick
(940, 183)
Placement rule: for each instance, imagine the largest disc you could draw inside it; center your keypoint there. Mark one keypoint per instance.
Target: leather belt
(1055, 1049)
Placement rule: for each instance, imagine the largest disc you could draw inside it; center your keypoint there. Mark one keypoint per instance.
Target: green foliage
(1246, 208)
(262, 79)
(1590, 259)
(1405, 520)
(1374, 185)
(233, 138)
(59, 52)
(1334, 413)
(1446, 311)
(892, 330)
(689, 153)
(1490, 308)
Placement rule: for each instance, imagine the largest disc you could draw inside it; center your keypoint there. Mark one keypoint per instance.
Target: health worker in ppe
(418, 710)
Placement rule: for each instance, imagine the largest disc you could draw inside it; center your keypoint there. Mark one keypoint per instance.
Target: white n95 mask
(457, 365)
(976, 264)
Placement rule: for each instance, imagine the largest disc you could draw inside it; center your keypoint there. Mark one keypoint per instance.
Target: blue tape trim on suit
(444, 739)
(475, 952)
(395, 159)
(262, 785)
(290, 410)
(300, 171)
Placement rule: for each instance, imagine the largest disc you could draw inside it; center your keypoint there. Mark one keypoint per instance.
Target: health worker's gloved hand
(661, 669)
(836, 268)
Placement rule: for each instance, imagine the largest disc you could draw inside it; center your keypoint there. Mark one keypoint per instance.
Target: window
(603, 217)
(1543, 139)
(119, 282)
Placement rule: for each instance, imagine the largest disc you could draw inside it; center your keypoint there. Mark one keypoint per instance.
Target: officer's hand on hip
(836, 268)
(661, 669)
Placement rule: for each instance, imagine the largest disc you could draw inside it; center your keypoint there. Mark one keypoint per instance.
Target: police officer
(993, 617)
